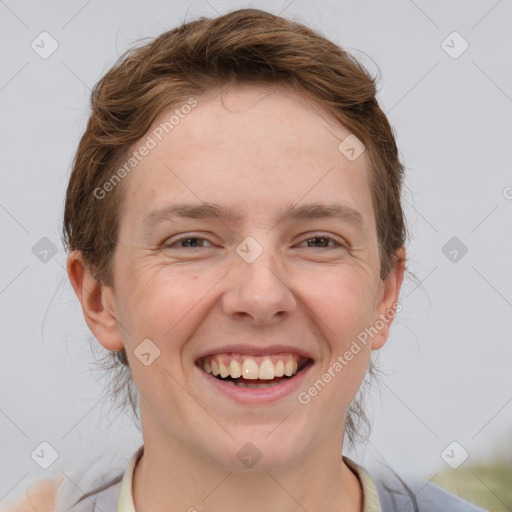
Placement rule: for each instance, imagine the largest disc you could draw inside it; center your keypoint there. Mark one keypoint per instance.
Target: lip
(257, 395)
(255, 350)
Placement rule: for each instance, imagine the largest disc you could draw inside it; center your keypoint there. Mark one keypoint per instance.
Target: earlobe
(96, 301)
(389, 306)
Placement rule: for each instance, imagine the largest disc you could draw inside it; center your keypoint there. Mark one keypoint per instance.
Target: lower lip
(258, 395)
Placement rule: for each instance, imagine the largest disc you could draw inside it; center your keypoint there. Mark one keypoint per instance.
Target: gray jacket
(414, 495)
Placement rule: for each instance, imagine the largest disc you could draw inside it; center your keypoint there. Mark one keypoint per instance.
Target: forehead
(247, 146)
(245, 116)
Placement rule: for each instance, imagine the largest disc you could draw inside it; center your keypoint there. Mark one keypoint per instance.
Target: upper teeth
(253, 368)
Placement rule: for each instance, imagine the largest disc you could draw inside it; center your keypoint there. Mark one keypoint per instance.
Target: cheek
(165, 308)
(164, 302)
(342, 300)
(158, 304)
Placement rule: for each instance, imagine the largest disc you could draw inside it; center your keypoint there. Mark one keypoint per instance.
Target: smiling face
(247, 247)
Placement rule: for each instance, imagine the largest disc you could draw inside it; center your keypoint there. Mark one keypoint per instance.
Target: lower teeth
(241, 384)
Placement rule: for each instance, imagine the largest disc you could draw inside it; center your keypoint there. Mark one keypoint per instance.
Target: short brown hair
(245, 46)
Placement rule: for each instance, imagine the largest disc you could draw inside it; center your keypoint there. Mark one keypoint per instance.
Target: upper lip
(255, 350)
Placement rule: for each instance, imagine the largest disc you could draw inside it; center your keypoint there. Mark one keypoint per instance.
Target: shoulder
(89, 491)
(85, 490)
(416, 495)
(40, 497)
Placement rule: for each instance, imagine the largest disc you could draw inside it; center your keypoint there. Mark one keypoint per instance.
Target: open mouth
(254, 371)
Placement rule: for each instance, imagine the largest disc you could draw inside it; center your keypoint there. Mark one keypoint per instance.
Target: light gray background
(449, 356)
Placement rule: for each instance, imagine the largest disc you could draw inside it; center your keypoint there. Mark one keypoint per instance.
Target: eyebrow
(309, 211)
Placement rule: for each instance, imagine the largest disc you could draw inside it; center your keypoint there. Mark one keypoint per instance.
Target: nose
(257, 292)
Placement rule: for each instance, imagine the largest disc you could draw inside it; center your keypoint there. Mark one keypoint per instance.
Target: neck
(169, 473)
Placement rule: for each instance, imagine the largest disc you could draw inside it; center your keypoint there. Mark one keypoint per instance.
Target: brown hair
(244, 46)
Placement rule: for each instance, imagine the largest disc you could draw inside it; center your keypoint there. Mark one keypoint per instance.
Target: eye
(187, 242)
(321, 241)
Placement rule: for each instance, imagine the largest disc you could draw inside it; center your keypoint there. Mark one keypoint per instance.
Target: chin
(257, 449)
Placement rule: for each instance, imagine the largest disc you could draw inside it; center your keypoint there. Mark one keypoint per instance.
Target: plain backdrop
(446, 85)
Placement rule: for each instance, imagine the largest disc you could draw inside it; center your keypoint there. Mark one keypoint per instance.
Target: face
(247, 246)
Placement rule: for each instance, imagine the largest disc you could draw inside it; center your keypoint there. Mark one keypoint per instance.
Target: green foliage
(489, 486)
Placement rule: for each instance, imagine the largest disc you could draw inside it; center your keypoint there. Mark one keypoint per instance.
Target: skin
(40, 498)
(258, 149)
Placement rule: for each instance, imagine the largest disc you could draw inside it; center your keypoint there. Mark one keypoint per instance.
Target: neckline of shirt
(370, 495)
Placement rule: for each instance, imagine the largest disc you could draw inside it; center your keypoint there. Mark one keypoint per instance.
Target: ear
(97, 302)
(388, 304)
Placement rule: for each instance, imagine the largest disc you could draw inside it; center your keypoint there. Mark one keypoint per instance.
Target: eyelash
(314, 236)
(325, 237)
